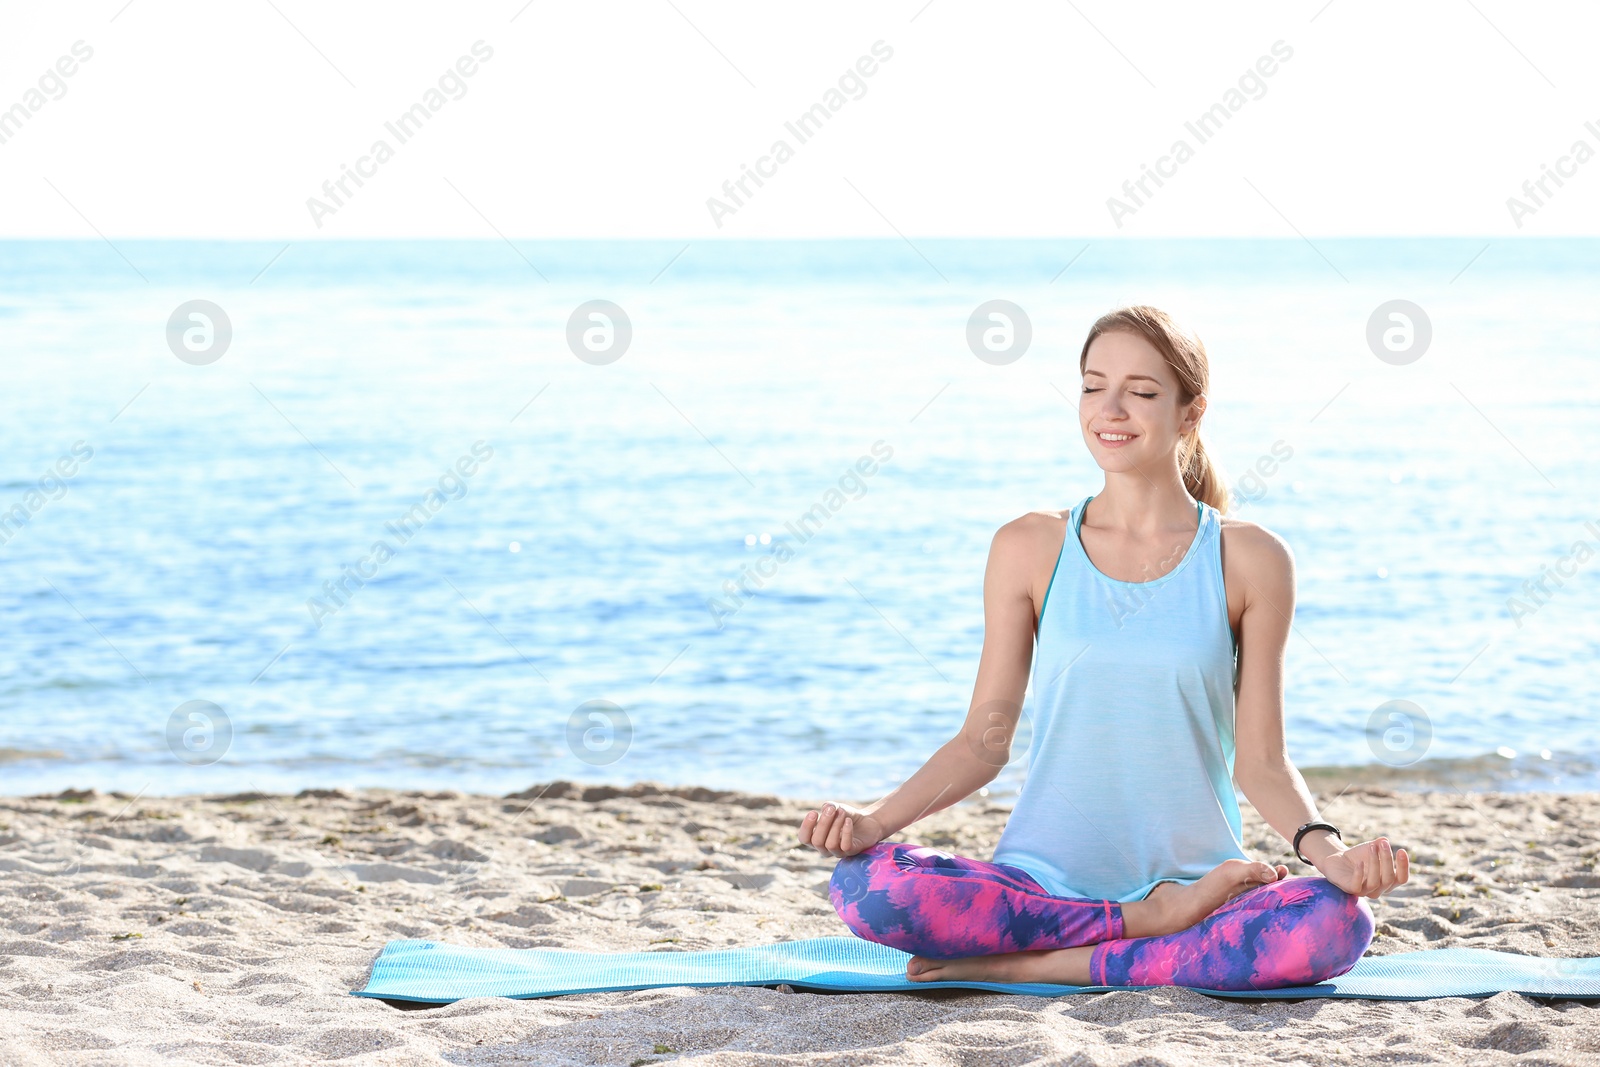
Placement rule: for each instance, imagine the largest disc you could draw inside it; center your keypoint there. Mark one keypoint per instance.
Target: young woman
(1158, 684)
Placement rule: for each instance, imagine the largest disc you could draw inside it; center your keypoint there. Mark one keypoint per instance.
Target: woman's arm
(973, 757)
(1262, 564)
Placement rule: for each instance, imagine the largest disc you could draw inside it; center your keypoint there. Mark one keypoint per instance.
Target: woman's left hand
(1369, 869)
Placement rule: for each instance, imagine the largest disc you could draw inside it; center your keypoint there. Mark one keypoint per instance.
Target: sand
(230, 929)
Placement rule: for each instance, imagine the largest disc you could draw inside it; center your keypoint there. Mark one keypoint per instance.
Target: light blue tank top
(1131, 764)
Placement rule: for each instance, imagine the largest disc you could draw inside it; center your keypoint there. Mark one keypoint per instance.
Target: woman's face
(1129, 409)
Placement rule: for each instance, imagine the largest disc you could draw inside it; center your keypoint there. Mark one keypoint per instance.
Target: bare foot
(1171, 907)
(1062, 966)
(1168, 908)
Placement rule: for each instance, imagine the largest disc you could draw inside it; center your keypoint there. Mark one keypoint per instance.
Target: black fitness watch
(1307, 828)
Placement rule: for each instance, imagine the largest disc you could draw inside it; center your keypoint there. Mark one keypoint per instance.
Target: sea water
(408, 528)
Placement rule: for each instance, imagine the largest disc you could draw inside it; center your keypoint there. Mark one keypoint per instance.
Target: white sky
(621, 119)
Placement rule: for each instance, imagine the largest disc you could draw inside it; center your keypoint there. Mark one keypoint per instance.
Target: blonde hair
(1186, 355)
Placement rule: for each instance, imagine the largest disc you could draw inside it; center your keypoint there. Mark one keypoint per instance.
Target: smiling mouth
(1116, 438)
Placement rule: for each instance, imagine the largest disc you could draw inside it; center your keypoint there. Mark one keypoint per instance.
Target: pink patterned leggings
(1297, 931)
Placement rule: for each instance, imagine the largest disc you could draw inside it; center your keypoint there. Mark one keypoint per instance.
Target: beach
(142, 929)
(509, 463)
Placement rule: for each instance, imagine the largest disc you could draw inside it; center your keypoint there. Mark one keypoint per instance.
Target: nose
(1112, 408)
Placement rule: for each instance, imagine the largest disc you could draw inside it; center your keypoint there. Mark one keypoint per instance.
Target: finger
(1361, 859)
(1366, 867)
(834, 830)
(819, 832)
(1392, 874)
(841, 835)
(848, 836)
(806, 824)
(1403, 863)
(1362, 867)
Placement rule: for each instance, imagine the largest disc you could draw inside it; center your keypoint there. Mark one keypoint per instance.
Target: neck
(1142, 506)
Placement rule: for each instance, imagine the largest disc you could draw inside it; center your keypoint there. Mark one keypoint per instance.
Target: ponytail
(1200, 474)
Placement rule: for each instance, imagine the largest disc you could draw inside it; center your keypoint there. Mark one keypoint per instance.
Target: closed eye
(1147, 396)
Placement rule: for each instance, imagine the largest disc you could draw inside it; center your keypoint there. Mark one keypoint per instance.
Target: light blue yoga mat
(434, 973)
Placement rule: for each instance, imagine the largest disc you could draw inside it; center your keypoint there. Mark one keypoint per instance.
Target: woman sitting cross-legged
(1158, 684)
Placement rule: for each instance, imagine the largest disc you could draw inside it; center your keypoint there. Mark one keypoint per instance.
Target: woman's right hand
(840, 830)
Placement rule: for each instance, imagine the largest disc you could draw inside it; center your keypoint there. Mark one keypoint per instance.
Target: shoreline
(1565, 776)
(232, 928)
(1562, 773)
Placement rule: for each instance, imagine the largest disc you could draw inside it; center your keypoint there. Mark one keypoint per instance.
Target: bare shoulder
(1257, 553)
(1032, 531)
(1040, 520)
(1021, 544)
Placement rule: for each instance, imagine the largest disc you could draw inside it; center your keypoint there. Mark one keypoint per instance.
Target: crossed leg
(1244, 925)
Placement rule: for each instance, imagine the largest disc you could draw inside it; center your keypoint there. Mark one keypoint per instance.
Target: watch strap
(1307, 828)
